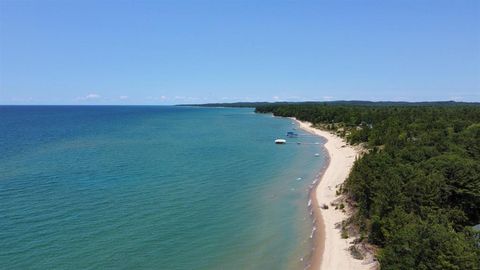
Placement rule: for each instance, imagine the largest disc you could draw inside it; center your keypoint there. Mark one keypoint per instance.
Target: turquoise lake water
(152, 187)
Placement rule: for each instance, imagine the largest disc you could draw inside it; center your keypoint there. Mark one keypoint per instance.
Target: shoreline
(330, 250)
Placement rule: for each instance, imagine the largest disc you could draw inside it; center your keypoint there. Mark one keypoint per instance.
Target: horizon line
(253, 102)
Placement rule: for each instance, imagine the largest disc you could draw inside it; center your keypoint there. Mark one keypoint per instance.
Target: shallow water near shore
(152, 187)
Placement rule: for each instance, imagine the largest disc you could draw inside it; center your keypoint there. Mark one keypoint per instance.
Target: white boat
(280, 141)
(317, 154)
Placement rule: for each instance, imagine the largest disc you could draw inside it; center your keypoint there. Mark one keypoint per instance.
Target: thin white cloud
(157, 98)
(186, 98)
(123, 97)
(296, 98)
(327, 98)
(20, 100)
(90, 97)
(457, 98)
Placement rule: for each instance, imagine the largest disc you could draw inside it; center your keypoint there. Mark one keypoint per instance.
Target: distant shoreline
(330, 250)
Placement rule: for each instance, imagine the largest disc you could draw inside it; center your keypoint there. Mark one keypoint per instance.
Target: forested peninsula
(416, 190)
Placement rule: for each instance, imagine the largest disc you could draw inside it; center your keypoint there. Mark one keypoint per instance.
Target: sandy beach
(332, 251)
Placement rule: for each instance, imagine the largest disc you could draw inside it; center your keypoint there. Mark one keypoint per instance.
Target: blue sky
(170, 52)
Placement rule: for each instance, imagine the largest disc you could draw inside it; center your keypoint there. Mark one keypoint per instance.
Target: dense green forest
(417, 190)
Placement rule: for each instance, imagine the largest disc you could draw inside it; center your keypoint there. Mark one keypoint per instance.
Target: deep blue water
(147, 187)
